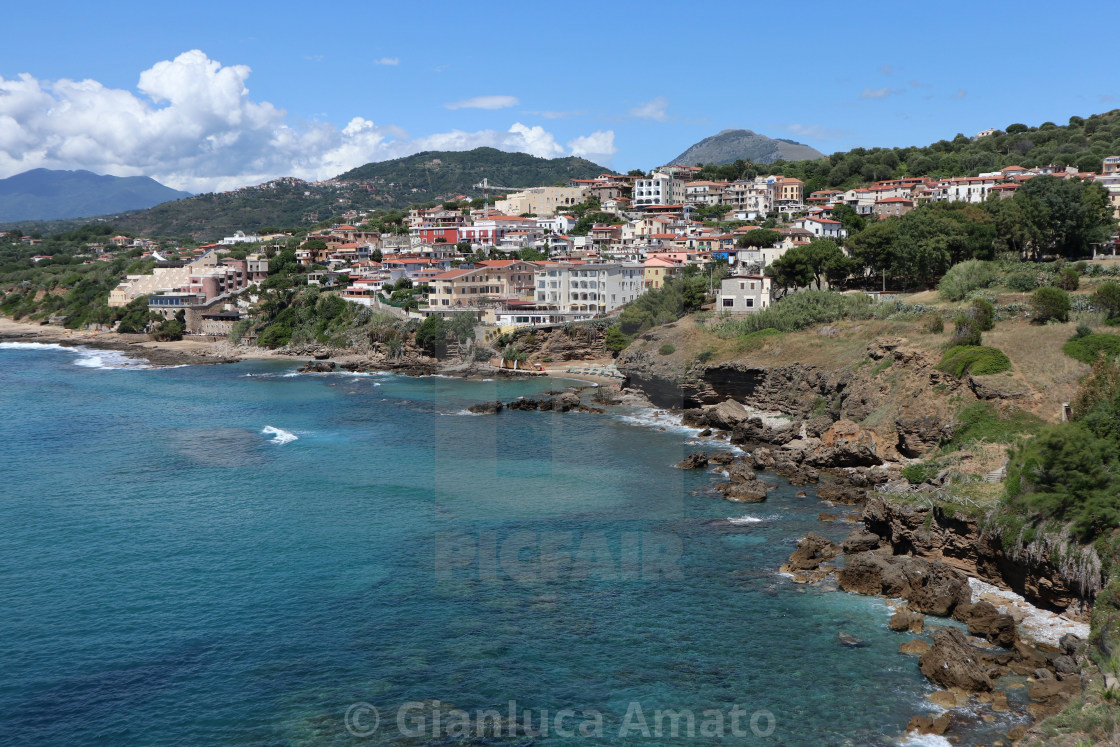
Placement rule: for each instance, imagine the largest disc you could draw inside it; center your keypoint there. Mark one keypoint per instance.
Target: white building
(822, 228)
(542, 201)
(659, 189)
(595, 288)
(743, 294)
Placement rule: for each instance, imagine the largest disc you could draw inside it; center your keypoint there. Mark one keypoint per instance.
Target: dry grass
(1038, 362)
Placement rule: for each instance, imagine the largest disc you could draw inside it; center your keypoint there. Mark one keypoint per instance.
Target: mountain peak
(49, 194)
(732, 145)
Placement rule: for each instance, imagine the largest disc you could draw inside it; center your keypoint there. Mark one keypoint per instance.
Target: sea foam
(279, 435)
(87, 357)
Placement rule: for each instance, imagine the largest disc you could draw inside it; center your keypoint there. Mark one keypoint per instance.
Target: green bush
(1088, 348)
(965, 277)
(706, 356)
(984, 313)
(756, 340)
(616, 340)
(935, 323)
(1021, 282)
(919, 473)
(974, 359)
(966, 332)
(667, 349)
(1068, 279)
(513, 353)
(1107, 299)
(1049, 304)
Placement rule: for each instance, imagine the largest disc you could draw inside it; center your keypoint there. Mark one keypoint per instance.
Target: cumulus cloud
(391, 61)
(484, 102)
(598, 146)
(655, 109)
(878, 93)
(192, 125)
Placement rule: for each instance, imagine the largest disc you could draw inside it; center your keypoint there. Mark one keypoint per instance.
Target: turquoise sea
(243, 555)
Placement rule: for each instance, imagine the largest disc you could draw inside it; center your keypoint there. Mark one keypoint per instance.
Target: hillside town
(552, 254)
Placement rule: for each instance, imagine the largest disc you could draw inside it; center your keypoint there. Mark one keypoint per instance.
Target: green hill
(744, 145)
(390, 185)
(1082, 143)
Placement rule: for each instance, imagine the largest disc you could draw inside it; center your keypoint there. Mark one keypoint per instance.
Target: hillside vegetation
(388, 185)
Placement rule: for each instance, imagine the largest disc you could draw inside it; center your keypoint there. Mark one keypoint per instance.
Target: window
(750, 302)
(728, 302)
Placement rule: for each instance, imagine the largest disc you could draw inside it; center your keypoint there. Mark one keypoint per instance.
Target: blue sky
(215, 95)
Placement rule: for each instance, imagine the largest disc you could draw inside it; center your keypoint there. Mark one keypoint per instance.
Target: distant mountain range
(746, 145)
(46, 194)
(285, 203)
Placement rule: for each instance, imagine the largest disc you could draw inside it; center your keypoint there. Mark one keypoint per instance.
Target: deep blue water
(171, 573)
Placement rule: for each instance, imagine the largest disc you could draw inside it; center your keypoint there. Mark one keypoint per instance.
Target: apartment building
(595, 288)
(659, 189)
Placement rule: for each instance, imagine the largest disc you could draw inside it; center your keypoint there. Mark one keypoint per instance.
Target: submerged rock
(845, 639)
(486, 408)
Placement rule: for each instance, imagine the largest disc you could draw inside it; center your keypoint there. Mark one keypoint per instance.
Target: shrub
(965, 277)
(1107, 298)
(799, 311)
(667, 349)
(706, 356)
(1068, 279)
(615, 340)
(919, 473)
(984, 313)
(513, 353)
(1021, 282)
(1049, 304)
(168, 330)
(1087, 348)
(935, 323)
(481, 354)
(974, 359)
(966, 332)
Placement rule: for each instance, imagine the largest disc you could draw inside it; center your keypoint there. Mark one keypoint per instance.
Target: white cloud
(960, 94)
(598, 146)
(391, 61)
(191, 124)
(886, 69)
(878, 93)
(654, 109)
(484, 102)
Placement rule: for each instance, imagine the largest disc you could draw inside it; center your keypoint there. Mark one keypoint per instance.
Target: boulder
(905, 619)
(726, 415)
(986, 621)
(743, 492)
(863, 574)
(812, 550)
(763, 458)
(566, 402)
(1065, 665)
(843, 494)
(953, 662)
(721, 457)
(740, 471)
(694, 418)
(860, 540)
(932, 588)
(524, 404)
(846, 444)
(486, 408)
(695, 460)
(928, 725)
(1053, 691)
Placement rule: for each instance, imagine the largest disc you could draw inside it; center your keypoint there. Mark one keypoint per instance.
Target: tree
(873, 247)
(462, 326)
(1107, 298)
(791, 270)
(820, 254)
(432, 334)
(757, 238)
(1065, 216)
(849, 218)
